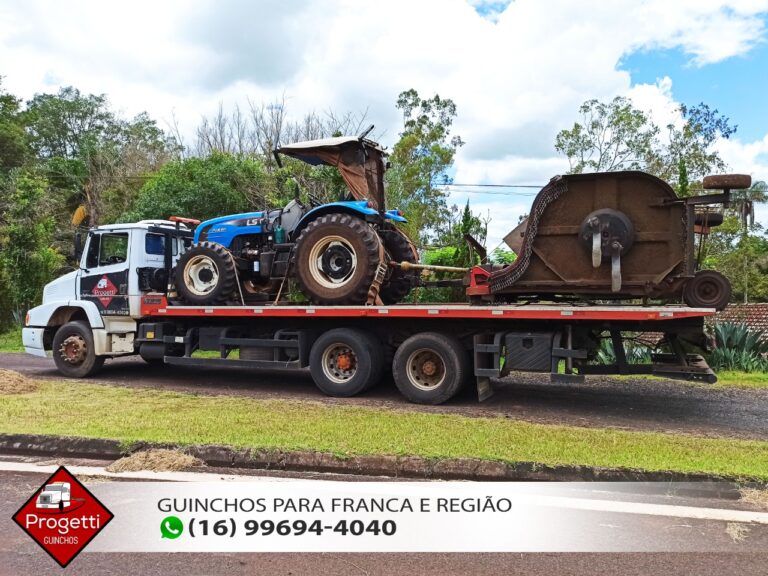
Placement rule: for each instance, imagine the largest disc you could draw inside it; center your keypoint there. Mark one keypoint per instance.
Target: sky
(517, 70)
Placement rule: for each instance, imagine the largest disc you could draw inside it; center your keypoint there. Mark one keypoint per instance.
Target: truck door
(104, 272)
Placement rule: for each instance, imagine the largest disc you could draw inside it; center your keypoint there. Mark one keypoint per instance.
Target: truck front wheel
(345, 362)
(430, 368)
(74, 352)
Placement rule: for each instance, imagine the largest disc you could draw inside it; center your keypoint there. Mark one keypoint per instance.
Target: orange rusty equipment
(612, 235)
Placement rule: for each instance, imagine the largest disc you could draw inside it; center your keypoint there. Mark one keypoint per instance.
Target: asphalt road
(634, 404)
(20, 556)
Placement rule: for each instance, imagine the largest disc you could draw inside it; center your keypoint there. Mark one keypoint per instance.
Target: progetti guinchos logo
(104, 291)
(62, 516)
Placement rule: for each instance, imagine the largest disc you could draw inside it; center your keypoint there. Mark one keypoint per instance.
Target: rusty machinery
(613, 235)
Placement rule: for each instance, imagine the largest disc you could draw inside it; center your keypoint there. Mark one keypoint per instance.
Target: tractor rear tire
(205, 274)
(707, 289)
(399, 283)
(73, 350)
(337, 257)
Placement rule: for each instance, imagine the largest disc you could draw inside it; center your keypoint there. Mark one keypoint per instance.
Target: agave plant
(635, 352)
(737, 347)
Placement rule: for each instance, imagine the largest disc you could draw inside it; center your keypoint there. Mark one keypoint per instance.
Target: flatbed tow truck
(118, 303)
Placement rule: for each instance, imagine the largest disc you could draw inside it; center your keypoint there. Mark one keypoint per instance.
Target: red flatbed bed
(156, 305)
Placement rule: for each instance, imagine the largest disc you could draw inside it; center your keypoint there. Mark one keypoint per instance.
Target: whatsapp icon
(171, 527)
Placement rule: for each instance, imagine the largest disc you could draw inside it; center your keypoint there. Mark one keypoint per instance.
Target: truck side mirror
(78, 245)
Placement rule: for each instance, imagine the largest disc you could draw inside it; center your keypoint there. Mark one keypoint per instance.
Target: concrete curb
(393, 466)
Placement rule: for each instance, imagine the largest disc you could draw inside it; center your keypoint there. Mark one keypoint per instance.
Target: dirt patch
(157, 460)
(11, 382)
(755, 496)
(737, 532)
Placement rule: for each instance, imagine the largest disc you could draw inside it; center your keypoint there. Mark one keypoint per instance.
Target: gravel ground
(633, 404)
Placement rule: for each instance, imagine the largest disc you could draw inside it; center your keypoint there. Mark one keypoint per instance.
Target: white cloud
(517, 72)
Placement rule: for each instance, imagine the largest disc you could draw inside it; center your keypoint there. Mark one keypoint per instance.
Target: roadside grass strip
(746, 380)
(11, 341)
(131, 415)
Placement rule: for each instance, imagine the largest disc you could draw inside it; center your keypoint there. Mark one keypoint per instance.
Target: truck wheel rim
(201, 275)
(708, 291)
(332, 262)
(426, 369)
(73, 350)
(339, 363)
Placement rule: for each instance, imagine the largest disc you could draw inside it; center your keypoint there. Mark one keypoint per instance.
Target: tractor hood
(359, 160)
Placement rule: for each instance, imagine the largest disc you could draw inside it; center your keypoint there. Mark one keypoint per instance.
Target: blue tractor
(339, 253)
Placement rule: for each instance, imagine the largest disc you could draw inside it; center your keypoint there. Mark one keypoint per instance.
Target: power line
(498, 185)
(486, 193)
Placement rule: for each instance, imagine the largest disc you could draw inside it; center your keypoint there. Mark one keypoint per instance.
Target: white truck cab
(55, 495)
(90, 314)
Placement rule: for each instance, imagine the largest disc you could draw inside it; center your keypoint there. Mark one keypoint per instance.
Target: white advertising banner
(320, 516)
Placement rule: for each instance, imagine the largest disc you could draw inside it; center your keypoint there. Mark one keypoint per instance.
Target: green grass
(725, 379)
(11, 341)
(130, 415)
(749, 380)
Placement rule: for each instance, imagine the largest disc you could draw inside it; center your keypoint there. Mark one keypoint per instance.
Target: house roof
(755, 316)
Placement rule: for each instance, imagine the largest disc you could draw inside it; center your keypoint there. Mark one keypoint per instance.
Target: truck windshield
(53, 488)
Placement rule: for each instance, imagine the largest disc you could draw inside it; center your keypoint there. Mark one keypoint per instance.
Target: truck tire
(205, 274)
(337, 257)
(74, 352)
(430, 368)
(399, 283)
(345, 362)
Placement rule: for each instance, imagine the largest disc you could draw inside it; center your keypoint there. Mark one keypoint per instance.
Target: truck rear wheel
(345, 362)
(430, 368)
(337, 257)
(205, 274)
(74, 352)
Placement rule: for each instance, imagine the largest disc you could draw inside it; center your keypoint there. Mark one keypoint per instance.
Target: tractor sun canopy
(359, 160)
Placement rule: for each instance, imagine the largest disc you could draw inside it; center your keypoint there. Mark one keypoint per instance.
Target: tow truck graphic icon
(55, 495)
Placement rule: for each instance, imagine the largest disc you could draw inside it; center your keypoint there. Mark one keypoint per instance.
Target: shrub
(738, 348)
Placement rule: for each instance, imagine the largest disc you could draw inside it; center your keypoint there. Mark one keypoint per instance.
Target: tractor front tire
(337, 257)
(205, 274)
(399, 282)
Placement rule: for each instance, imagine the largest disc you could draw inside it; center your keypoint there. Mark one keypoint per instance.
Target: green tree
(611, 136)
(502, 256)
(27, 259)
(420, 161)
(203, 188)
(742, 255)
(692, 143)
(618, 136)
(91, 156)
(14, 149)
